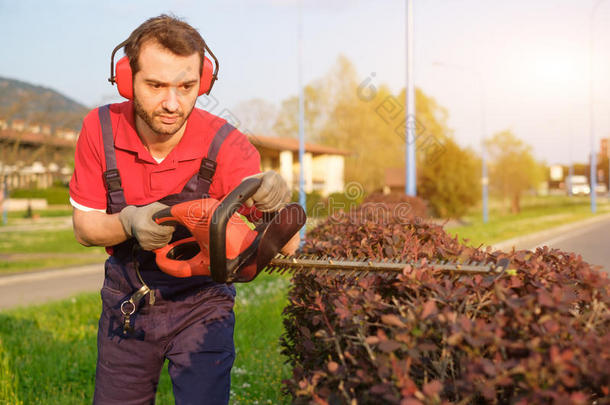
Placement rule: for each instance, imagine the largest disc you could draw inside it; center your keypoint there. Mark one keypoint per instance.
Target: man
(132, 160)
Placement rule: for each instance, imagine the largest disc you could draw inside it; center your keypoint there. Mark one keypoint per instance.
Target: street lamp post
(410, 166)
(593, 159)
(571, 167)
(302, 197)
(484, 175)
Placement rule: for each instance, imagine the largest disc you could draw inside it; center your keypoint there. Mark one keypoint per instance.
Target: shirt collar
(190, 147)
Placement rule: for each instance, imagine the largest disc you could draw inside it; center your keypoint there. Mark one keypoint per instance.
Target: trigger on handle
(165, 217)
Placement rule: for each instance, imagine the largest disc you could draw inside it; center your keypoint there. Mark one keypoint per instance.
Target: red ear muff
(207, 77)
(124, 77)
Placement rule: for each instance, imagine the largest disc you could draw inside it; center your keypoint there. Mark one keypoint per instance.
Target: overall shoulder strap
(112, 179)
(208, 163)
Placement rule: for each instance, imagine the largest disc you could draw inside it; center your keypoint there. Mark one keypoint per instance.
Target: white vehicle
(578, 184)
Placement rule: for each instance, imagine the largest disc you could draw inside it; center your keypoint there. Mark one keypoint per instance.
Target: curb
(48, 274)
(547, 233)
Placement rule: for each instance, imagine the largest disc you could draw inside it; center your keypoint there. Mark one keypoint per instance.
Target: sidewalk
(38, 287)
(32, 225)
(533, 240)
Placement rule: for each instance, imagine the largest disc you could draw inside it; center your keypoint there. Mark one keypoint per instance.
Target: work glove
(138, 223)
(273, 193)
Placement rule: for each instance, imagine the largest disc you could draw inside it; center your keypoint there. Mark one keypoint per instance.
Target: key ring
(133, 307)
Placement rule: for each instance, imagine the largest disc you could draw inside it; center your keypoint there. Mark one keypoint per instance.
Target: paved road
(39, 287)
(590, 239)
(40, 224)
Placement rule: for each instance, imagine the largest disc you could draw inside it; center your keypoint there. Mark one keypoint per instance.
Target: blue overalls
(149, 316)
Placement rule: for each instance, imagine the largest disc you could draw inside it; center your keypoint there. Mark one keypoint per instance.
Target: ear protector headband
(124, 76)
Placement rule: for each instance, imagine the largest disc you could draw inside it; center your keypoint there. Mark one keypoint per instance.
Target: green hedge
(55, 195)
(320, 207)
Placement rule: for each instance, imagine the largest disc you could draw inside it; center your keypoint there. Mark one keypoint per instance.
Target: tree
(287, 123)
(321, 98)
(255, 116)
(450, 182)
(358, 127)
(368, 120)
(513, 169)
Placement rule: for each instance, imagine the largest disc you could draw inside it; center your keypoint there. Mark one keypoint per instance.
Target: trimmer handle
(218, 227)
(208, 253)
(165, 217)
(183, 258)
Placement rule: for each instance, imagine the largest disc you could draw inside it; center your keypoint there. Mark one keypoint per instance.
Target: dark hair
(171, 33)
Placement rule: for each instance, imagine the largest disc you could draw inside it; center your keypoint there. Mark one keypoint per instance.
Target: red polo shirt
(144, 180)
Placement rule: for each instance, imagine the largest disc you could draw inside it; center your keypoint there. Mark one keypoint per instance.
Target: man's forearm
(94, 228)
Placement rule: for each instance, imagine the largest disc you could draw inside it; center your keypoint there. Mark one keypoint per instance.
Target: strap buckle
(207, 168)
(112, 178)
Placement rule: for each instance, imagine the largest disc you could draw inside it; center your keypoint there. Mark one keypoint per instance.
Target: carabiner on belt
(128, 307)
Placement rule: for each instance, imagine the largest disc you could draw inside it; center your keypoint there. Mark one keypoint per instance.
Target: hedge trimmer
(229, 249)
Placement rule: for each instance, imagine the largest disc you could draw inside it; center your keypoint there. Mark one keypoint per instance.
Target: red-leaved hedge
(397, 203)
(539, 333)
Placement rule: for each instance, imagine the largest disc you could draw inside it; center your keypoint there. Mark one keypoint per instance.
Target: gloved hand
(272, 194)
(138, 223)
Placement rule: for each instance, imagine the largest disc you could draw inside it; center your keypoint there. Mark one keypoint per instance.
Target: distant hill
(39, 105)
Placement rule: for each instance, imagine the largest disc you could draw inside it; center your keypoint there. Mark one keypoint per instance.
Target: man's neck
(158, 145)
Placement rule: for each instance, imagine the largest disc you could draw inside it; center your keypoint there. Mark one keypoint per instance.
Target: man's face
(165, 88)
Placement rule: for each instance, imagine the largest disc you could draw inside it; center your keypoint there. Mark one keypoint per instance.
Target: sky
(494, 65)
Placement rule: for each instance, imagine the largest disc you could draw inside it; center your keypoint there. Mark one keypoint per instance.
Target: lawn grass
(42, 241)
(48, 352)
(537, 214)
(56, 211)
(43, 249)
(24, 265)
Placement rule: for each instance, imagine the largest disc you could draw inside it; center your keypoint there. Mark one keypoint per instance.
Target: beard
(156, 124)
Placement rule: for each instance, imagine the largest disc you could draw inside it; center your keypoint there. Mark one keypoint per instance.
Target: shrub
(314, 203)
(539, 333)
(451, 182)
(55, 195)
(394, 201)
(337, 202)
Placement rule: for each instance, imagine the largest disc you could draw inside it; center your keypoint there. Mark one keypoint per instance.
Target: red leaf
(372, 340)
(392, 320)
(488, 392)
(305, 331)
(551, 327)
(554, 354)
(433, 388)
(410, 401)
(544, 298)
(455, 339)
(515, 282)
(379, 389)
(429, 309)
(488, 367)
(579, 398)
(388, 346)
(343, 313)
